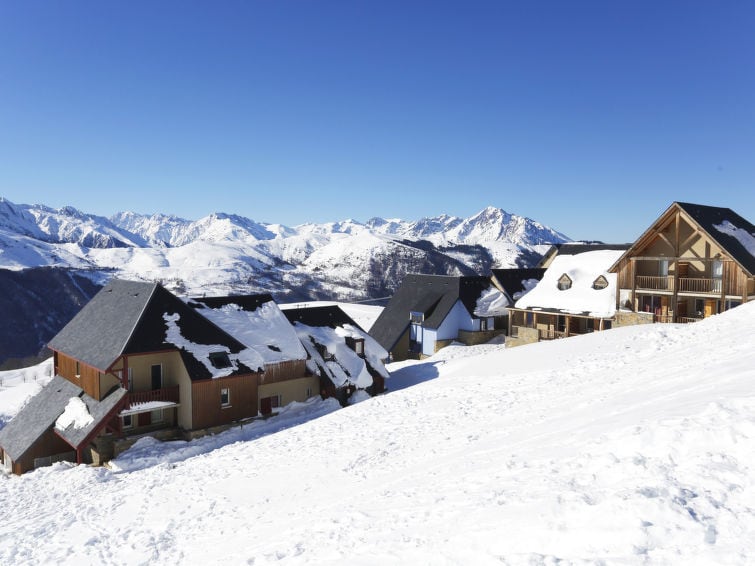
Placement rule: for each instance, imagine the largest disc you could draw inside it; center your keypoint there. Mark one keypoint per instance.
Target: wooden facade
(207, 398)
(78, 373)
(678, 273)
(50, 446)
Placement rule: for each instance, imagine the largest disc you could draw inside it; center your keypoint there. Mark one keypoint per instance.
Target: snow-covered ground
(630, 446)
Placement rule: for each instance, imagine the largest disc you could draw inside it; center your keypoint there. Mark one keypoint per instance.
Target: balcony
(164, 395)
(654, 283)
(700, 285)
(693, 285)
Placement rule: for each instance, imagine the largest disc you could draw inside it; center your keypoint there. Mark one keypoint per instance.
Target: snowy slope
(630, 446)
(223, 253)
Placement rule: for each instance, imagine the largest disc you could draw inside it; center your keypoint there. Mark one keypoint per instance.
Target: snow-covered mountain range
(224, 253)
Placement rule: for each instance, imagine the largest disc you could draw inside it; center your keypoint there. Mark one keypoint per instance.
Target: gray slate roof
(432, 295)
(43, 409)
(99, 411)
(99, 333)
(126, 317)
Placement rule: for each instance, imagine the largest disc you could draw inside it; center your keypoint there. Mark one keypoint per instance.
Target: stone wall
(629, 318)
(522, 335)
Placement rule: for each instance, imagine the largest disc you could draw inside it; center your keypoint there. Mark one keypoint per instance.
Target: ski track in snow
(630, 446)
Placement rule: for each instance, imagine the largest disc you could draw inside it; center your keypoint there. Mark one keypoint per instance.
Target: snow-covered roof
(740, 234)
(491, 302)
(583, 270)
(264, 329)
(63, 405)
(202, 352)
(342, 365)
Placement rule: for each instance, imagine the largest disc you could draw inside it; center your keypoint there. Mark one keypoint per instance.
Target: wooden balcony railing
(166, 394)
(700, 285)
(688, 319)
(655, 283)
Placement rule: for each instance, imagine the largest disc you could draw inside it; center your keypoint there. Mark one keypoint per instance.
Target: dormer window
(356, 344)
(416, 317)
(564, 282)
(323, 351)
(600, 283)
(220, 360)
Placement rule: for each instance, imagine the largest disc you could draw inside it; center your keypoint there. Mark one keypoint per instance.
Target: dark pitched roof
(331, 315)
(432, 295)
(99, 333)
(708, 217)
(512, 280)
(43, 409)
(127, 317)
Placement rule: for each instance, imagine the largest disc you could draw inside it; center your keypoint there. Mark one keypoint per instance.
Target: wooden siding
(48, 444)
(283, 371)
(89, 377)
(205, 400)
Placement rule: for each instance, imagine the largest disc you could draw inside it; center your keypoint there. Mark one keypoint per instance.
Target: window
(220, 360)
(157, 376)
(717, 271)
(225, 397)
(267, 404)
(356, 344)
(323, 351)
(416, 317)
(128, 421)
(157, 416)
(483, 324)
(600, 283)
(663, 268)
(309, 392)
(564, 282)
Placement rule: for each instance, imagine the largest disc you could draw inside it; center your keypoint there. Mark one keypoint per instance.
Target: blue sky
(591, 117)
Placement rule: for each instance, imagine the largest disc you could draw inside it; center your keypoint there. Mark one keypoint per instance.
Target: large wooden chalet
(693, 262)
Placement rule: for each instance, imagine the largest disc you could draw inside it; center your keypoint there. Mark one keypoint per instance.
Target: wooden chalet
(143, 362)
(694, 261)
